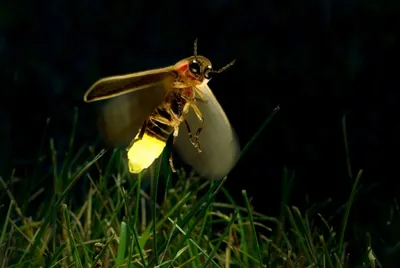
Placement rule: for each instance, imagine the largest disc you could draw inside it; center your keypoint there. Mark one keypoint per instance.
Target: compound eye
(208, 71)
(194, 67)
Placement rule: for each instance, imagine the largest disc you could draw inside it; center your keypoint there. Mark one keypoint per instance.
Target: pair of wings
(133, 97)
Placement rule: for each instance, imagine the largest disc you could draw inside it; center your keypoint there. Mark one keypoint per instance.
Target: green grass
(96, 215)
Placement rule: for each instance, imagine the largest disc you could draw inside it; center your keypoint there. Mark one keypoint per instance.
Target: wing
(123, 116)
(114, 86)
(218, 141)
(132, 98)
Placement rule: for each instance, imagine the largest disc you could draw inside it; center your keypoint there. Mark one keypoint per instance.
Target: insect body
(150, 106)
(164, 121)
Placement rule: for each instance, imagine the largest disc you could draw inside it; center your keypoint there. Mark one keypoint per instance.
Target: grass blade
(253, 229)
(259, 131)
(123, 240)
(347, 212)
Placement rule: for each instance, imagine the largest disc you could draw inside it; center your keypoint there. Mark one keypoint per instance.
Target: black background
(317, 60)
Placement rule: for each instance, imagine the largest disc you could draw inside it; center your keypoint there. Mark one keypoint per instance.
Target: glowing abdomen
(143, 152)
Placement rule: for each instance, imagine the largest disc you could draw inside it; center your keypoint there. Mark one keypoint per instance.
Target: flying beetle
(145, 108)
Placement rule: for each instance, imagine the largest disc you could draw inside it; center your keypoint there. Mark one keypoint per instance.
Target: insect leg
(189, 131)
(194, 140)
(178, 84)
(201, 119)
(171, 160)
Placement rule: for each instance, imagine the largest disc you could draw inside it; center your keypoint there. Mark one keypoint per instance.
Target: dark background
(318, 60)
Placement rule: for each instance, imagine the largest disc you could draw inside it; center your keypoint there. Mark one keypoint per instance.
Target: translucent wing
(123, 116)
(113, 86)
(132, 98)
(218, 141)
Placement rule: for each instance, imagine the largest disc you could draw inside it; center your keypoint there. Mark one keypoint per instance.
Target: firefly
(145, 108)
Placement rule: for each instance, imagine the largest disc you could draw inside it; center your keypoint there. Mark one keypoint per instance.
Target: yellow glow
(143, 153)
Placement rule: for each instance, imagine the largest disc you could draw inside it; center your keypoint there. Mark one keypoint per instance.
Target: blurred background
(317, 60)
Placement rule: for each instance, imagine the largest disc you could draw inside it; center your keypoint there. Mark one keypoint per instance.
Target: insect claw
(196, 143)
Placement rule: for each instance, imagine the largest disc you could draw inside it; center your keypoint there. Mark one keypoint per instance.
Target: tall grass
(97, 215)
